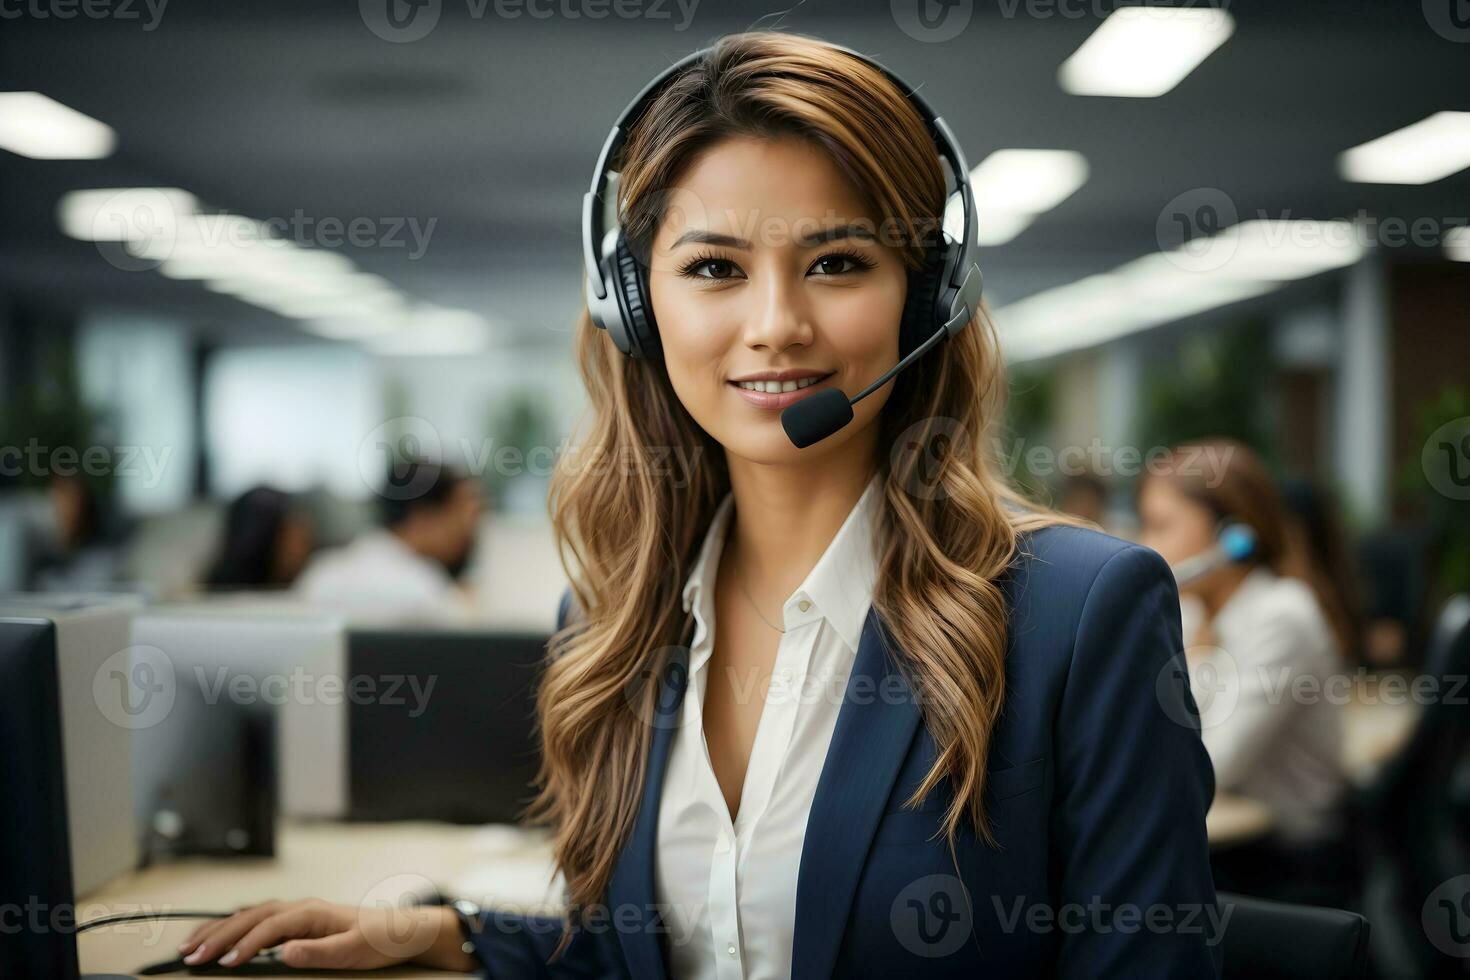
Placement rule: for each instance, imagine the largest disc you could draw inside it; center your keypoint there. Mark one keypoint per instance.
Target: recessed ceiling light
(1255, 257)
(1027, 181)
(1457, 244)
(39, 127)
(999, 227)
(1429, 150)
(1013, 186)
(435, 332)
(1144, 51)
(125, 214)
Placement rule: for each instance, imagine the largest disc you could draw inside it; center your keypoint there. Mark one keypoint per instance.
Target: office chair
(1416, 817)
(1266, 940)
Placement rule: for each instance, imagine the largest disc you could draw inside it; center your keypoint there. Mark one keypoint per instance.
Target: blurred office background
(270, 244)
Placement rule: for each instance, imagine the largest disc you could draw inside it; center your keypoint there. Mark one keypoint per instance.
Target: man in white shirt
(405, 570)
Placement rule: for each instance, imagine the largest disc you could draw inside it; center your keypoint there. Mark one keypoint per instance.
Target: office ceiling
(487, 127)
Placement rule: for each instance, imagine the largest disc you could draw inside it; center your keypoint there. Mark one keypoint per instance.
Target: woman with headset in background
(832, 701)
(1266, 657)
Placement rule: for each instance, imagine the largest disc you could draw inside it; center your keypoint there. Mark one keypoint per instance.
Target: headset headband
(594, 206)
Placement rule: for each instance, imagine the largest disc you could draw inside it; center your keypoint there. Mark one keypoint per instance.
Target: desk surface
(1237, 820)
(350, 863)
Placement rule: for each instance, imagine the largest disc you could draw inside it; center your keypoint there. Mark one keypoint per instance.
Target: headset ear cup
(637, 312)
(921, 306)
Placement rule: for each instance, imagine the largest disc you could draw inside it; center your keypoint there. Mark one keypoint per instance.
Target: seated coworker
(266, 542)
(408, 568)
(851, 710)
(1273, 719)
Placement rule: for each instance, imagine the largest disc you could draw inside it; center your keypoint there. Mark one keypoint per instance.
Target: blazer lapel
(631, 885)
(871, 739)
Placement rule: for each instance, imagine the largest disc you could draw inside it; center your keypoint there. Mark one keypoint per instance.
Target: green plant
(1449, 518)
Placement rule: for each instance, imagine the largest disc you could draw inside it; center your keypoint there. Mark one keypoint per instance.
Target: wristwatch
(470, 916)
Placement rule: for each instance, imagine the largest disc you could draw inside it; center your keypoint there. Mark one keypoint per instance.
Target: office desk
(1375, 729)
(367, 863)
(1236, 820)
(349, 863)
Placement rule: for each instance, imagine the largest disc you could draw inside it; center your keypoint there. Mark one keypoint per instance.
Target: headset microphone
(819, 415)
(1235, 542)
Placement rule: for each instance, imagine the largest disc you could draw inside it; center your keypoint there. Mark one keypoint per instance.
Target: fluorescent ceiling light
(1013, 186)
(120, 214)
(39, 127)
(999, 227)
(1027, 181)
(353, 328)
(1457, 244)
(1163, 287)
(1288, 249)
(1430, 149)
(436, 333)
(1144, 51)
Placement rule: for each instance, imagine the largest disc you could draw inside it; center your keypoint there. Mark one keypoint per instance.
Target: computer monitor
(258, 725)
(35, 856)
(37, 897)
(450, 732)
(97, 694)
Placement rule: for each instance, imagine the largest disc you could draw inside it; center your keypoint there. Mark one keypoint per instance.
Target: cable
(108, 920)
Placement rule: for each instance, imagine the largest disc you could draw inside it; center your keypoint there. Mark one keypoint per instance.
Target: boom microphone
(1235, 543)
(819, 415)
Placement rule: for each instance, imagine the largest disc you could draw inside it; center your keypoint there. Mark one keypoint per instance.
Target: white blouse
(1270, 716)
(728, 891)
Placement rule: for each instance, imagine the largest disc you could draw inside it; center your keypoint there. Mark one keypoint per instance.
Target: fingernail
(195, 956)
(229, 958)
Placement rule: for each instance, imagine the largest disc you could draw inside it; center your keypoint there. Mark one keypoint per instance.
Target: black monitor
(35, 856)
(463, 750)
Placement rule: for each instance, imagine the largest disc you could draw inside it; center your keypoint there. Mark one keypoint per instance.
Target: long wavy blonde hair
(630, 522)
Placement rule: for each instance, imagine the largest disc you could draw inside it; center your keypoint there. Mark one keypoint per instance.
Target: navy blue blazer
(1097, 790)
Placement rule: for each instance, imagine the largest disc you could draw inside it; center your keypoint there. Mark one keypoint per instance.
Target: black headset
(943, 293)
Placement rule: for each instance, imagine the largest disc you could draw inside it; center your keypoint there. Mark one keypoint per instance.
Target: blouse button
(804, 605)
(730, 949)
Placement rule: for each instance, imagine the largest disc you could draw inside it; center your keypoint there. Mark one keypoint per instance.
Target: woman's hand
(314, 934)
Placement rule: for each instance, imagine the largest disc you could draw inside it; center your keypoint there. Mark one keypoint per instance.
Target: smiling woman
(827, 708)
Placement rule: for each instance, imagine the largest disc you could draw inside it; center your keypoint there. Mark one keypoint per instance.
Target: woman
(848, 710)
(266, 542)
(1272, 719)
